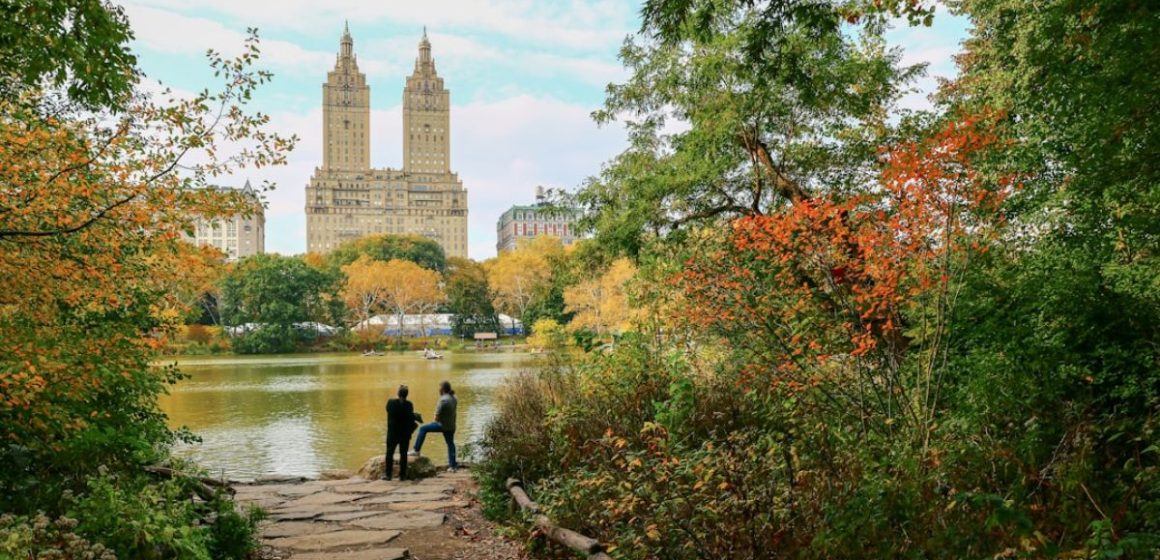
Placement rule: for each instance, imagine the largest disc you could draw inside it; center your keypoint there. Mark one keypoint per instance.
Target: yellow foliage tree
(409, 288)
(518, 277)
(366, 287)
(548, 335)
(601, 303)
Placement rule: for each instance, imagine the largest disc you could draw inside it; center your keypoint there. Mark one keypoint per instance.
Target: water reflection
(302, 414)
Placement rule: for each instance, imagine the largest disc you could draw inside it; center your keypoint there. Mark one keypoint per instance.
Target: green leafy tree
(273, 293)
(81, 46)
(422, 251)
(1064, 353)
(767, 122)
(469, 298)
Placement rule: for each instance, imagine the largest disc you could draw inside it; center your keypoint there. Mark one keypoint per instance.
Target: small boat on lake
(370, 353)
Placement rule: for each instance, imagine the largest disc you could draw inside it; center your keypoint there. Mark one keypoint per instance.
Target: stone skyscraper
(347, 198)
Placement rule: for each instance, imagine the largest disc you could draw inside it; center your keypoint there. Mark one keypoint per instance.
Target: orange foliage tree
(92, 210)
(832, 291)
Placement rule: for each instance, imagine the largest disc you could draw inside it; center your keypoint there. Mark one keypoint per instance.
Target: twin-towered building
(347, 198)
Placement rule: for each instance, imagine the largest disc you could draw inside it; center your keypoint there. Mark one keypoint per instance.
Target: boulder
(417, 467)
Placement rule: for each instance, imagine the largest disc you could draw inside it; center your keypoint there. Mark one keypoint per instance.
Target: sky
(524, 77)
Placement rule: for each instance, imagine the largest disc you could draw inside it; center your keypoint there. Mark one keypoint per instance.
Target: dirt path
(355, 519)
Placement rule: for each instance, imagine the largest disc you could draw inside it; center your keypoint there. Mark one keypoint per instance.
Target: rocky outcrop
(417, 468)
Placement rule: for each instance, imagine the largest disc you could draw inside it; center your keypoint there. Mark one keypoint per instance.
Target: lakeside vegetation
(866, 332)
(549, 288)
(98, 180)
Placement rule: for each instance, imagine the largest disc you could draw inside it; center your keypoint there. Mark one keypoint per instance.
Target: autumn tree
(365, 289)
(518, 277)
(601, 303)
(409, 289)
(92, 207)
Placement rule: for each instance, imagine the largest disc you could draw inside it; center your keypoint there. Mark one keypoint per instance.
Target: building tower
(347, 199)
(346, 112)
(426, 117)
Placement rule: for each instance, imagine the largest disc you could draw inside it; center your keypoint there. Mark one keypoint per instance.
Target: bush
(660, 460)
(140, 518)
(40, 537)
(271, 339)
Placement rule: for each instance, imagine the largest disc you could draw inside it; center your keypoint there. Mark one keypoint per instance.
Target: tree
(409, 288)
(469, 298)
(79, 45)
(365, 288)
(274, 294)
(91, 213)
(420, 250)
(199, 290)
(518, 277)
(548, 335)
(782, 101)
(601, 303)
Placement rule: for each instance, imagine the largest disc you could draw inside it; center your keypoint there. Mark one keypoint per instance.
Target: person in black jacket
(401, 422)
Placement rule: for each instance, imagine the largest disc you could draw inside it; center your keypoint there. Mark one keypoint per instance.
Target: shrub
(140, 518)
(40, 537)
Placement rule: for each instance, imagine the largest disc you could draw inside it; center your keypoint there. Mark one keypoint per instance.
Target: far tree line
(267, 303)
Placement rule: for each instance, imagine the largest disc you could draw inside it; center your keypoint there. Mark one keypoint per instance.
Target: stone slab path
(357, 519)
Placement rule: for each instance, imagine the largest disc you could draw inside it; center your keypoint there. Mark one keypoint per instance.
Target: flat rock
(394, 498)
(367, 487)
(298, 490)
(423, 489)
(347, 515)
(401, 521)
(426, 506)
(322, 499)
(375, 554)
(289, 514)
(263, 489)
(336, 540)
(295, 528)
(345, 481)
(294, 515)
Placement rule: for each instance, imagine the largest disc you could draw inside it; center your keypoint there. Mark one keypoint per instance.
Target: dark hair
(445, 388)
(403, 391)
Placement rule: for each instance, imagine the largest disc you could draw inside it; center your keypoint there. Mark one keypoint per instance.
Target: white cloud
(573, 25)
(173, 33)
(454, 53)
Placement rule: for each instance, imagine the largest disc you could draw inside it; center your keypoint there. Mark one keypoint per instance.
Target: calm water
(300, 414)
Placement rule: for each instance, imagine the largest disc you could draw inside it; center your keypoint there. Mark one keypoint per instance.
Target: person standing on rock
(444, 423)
(401, 421)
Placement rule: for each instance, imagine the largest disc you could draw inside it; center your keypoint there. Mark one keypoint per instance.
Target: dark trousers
(400, 442)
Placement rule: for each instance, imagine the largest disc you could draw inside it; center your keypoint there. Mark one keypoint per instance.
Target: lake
(301, 414)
